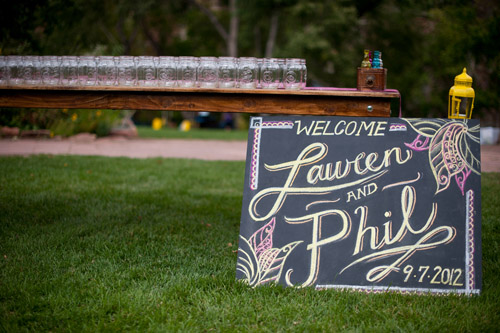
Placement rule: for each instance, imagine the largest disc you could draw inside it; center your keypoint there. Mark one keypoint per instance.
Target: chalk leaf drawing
(448, 146)
(258, 260)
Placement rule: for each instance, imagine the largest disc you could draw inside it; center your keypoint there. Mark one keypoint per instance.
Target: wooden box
(370, 79)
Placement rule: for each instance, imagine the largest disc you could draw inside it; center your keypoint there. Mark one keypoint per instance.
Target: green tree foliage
(466, 35)
(424, 44)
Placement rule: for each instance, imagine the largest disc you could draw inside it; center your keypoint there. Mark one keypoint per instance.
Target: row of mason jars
(206, 72)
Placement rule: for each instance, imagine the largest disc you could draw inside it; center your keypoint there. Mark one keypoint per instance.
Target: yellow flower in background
(74, 117)
(65, 110)
(185, 126)
(98, 113)
(157, 124)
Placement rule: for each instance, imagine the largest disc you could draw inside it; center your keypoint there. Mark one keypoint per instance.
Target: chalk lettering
(313, 153)
(316, 242)
(361, 164)
(440, 235)
(351, 128)
(380, 127)
(305, 129)
(408, 199)
(325, 132)
(361, 192)
(319, 127)
(369, 127)
(341, 130)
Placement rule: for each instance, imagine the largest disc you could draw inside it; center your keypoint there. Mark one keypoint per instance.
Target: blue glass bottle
(377, 60)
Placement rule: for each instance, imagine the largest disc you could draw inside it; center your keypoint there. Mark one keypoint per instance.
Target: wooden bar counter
(312, 101)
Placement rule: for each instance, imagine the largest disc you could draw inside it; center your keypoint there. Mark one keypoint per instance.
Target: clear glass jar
(69, 70)
(14, 69)
(292, 76)
(260, 61)
(166, 70)
(281, 73)
(4, 71)
(186, 72)
(87, 71)
(270, 74)
(107, 72)
(127, 71)
(247, 73)
(207, 72)
(50, 70)
(303, 73)
(146, 71)
(227, 72)
(31, 70)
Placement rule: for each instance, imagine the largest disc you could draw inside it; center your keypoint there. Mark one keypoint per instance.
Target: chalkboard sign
(372, 204)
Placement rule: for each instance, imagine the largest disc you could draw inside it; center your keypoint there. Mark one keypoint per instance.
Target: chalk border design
(258, 125)
(469, 244)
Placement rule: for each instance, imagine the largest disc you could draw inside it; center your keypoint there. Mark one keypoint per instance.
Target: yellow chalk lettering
(380, 128)
(339, 132)
(316, 242)
(326, 128)
(352, 124)
(319, 127)
(369, 127)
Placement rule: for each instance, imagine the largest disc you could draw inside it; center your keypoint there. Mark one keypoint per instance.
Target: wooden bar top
(309, 101)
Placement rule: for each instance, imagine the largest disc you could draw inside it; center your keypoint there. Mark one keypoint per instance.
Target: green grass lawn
(117, 244)
(195, 133)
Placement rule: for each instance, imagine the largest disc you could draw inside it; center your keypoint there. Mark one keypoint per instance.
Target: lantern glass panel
(460, 107)
(465, 107)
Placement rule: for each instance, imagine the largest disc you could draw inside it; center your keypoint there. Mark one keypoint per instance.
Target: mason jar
(146, 71)
(270, 74)
(14, 69)
(69, 70)
(50, 70)
(207, 72)
(4, 71)
(227, 72)
(292, 76)
(186, 71)
(281, 72)
(87, 71)
(107, 72)
(303, 73)
(247, 73)
(260, 61)
(30, 69)
(166, 71)
(127, 71)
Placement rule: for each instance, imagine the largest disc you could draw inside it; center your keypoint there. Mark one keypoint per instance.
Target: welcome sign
(371, 204)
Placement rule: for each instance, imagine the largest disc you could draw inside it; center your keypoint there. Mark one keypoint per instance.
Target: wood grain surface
(275, 101)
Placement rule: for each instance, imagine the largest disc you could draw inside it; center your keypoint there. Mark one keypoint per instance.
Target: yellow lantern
(461, 99)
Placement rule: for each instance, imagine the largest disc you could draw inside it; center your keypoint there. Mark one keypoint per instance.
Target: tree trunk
(257, 41)
(273, 32)
(155, 43)
(232, 42)
(126, 41)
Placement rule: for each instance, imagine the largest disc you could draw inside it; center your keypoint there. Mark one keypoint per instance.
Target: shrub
(63, 122)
